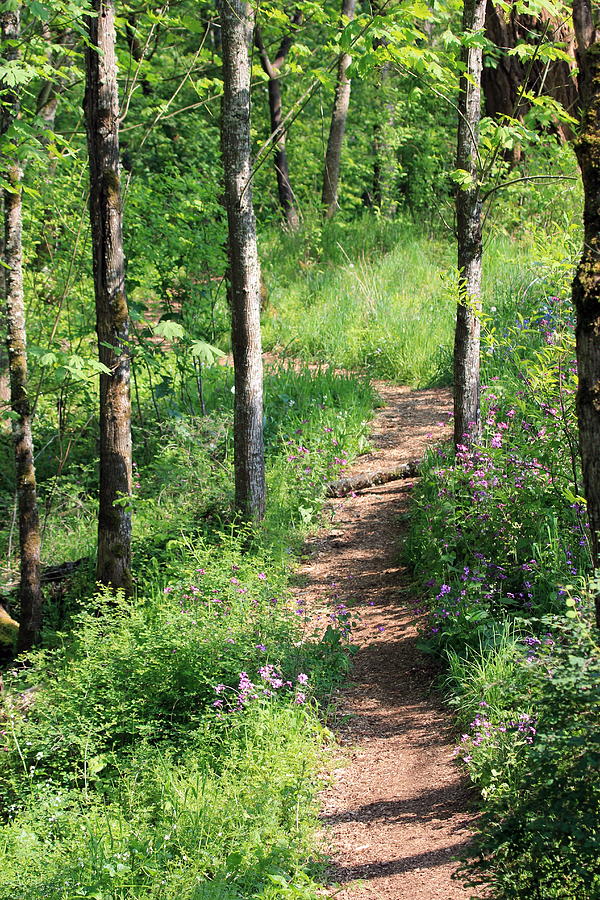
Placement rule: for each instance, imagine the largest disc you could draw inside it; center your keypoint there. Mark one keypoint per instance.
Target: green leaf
(234, 860)
(192, 24)
(169, 330)
(206, 353)
(39, 10)
(463, 178)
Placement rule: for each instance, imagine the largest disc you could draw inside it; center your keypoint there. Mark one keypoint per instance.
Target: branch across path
(399, 811)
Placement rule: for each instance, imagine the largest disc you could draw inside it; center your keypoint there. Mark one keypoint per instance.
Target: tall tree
(237, 21)
(272, 68)
(30, 592)
(385, 164)
(467, 423)
(586, 285)
(339, 114)
(4, 370)
(112, 317)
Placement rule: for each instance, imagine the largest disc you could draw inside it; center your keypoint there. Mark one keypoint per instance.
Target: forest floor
(398, 810)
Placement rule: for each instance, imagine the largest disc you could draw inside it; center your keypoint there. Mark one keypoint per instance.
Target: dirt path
(398, 812)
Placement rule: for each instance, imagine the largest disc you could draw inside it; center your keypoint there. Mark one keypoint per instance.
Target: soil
(399, 810)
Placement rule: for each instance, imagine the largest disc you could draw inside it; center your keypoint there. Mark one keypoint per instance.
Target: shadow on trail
(399, 866)
(437, 804)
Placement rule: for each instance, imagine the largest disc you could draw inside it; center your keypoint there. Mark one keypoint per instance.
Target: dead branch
(346, 486)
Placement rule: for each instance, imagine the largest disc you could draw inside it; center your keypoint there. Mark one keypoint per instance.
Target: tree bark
(346, 486)
(586, 284)
(237, 20)
(385, 164)
(341, 103)
(112, 316)
(503, 83)
(30, 592)
(4, 370)
(467, 423)
(272, 68)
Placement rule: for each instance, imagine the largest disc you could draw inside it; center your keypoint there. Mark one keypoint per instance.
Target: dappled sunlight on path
(399, 811)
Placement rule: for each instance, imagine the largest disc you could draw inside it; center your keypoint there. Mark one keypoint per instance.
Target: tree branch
(504, 184)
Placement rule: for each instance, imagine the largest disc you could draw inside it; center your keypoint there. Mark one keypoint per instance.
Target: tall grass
(378, 297)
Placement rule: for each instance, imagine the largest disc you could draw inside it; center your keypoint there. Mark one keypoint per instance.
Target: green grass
(379, 297)
(485, 675)
(142, 770)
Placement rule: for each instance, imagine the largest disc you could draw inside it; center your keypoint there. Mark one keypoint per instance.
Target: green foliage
(499, 540)
(541, 838)
(171, 825)
(169, 745)
(379, 296)
(126, 773)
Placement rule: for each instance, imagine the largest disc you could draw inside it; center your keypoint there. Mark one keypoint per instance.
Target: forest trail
(399, 810)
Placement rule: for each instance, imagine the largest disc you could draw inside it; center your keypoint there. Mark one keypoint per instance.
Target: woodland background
(143, 758)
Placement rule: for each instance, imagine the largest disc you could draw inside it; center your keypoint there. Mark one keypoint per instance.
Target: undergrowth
(169, 745)
(499, 543)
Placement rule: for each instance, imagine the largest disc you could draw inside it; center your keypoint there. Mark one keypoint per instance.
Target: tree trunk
(467, 424)
(385, 165)
(4, 370)
(586, 285)
(273, 70)
(30, 592)
(503, 83)
(237, 19)
(341, 102)
(112, 317)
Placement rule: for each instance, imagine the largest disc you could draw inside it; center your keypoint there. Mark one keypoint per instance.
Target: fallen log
(52, 574)
(346, 486)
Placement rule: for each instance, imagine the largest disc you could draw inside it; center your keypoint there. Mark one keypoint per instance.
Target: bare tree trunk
(112, 316)
(237, 19)
(385, 165)
(30, 592)
(467, 422)
(273, 69)
(341, 102)
(586, 285)
(4, 370)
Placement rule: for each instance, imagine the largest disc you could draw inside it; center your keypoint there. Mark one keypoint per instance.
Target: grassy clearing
(379, 297)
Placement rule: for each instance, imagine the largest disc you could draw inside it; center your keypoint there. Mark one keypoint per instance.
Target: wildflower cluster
(490, 749)
(268, 682)
(501, 522)
(500, 539)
